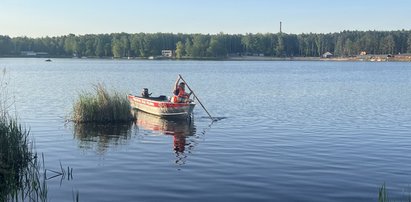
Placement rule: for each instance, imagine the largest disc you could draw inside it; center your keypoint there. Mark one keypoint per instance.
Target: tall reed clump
(101, 106)
(20, 177)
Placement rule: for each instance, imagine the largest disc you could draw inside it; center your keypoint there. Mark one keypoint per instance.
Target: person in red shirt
(179, 92)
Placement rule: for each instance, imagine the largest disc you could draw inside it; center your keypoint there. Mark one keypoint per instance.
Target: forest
(221, 45)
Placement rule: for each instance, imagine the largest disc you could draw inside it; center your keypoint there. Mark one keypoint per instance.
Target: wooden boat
(161, 106)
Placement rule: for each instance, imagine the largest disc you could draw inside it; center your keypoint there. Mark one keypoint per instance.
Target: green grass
(101, 106)
(20, 178)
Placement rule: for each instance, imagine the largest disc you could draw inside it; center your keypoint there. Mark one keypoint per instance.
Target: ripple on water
(292, 131)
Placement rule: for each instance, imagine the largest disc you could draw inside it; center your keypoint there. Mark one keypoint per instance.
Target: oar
(196, 97)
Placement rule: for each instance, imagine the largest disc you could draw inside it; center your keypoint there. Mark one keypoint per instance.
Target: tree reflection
(101, 137)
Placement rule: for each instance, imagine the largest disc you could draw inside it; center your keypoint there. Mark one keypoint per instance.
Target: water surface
(293, 131)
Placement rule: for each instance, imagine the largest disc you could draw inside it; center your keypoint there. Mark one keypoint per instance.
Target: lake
(291, 130)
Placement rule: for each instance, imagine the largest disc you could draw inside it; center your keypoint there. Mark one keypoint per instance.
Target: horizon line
(282, 32)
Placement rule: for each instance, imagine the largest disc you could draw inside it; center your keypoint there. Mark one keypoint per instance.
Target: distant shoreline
(367, 58)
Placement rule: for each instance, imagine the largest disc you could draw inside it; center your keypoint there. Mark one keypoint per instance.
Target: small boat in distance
(48, 60)
(160, 106)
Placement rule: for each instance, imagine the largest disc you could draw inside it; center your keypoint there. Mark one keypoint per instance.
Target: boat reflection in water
(100, 137)
(180, 129)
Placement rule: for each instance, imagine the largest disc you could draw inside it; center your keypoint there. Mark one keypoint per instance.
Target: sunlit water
(292, 131)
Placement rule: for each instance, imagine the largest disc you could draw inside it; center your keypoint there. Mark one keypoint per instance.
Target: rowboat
(161, 106)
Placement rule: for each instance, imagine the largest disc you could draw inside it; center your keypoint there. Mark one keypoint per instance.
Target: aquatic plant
(383, 195)
(101, 106)
(20, 177)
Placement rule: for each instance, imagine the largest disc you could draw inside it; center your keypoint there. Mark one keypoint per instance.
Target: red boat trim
(156, 104)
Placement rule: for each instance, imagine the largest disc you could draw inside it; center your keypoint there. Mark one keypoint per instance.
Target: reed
(20, 178)
(101, 106)
(383, 195)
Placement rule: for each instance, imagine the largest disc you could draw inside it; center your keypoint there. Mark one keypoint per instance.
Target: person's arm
(189, 94)
(176, 84)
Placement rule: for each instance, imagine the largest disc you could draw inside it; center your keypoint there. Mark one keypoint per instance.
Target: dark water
(293, 131)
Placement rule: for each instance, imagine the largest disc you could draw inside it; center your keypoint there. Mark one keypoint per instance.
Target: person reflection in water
(179, 142)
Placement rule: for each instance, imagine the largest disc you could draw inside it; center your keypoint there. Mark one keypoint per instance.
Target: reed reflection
(100, 137)
(180, 129)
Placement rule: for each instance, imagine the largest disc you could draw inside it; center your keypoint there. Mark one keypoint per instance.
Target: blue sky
(39, 18)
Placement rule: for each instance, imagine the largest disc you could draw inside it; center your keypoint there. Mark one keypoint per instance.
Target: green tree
(99, 47)
(216, 47)
(280, 46)
(135, 43)
(180, 50)
(388, 46)
(116, 48)
(125, 45)
(409, 43)
(200, 45)
(70, 44)
(145, 46)
(189, 47)
(348, 48)
(6, 45)
(345, 43)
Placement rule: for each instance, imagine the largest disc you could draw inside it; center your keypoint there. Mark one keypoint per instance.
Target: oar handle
(196, 97)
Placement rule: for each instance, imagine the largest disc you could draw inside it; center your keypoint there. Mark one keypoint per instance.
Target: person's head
(182, 85)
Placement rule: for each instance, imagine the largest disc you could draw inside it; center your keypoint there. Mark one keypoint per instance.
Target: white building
(167, 53)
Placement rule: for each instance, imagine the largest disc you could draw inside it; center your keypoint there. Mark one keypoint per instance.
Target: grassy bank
(20, 178)
(101, 106)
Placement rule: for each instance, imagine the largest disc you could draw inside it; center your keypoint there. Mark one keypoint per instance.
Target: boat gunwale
(175, 104)
(164, 104)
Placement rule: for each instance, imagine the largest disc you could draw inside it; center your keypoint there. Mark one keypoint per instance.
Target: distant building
(167, 53)
(41, 53)
(32, 53)
(363, 53)
(327, 55)
(28, 53)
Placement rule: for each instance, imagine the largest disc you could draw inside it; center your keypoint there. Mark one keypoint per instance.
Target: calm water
(293, 131)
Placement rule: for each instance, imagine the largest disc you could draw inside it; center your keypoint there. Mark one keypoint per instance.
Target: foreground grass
(20, 178)
(101, 106)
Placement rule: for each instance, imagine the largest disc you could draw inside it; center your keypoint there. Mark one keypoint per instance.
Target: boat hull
(162, 108)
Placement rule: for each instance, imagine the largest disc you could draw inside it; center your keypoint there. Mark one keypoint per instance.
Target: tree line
(118, 45)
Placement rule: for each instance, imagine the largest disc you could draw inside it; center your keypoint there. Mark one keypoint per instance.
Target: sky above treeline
(40, 18)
